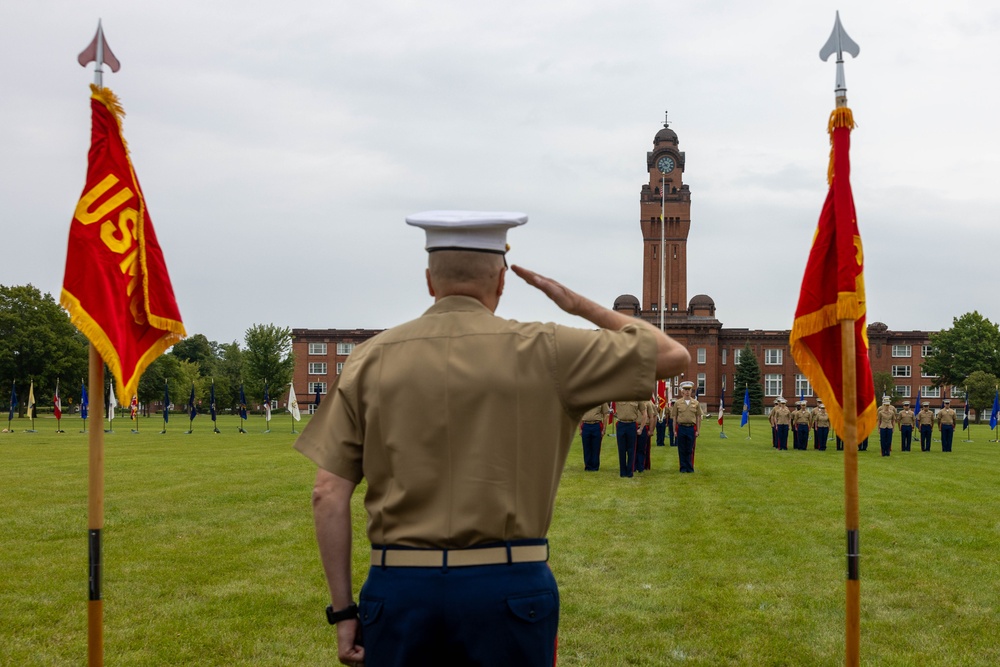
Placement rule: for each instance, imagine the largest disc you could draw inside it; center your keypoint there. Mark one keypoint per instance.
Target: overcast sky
(281, 144)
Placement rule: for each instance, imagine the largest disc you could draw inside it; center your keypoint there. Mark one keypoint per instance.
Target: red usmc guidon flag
(833, 289)
(116, 287)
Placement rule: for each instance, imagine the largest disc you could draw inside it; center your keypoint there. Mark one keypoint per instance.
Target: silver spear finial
(838, 43)
(98, 51)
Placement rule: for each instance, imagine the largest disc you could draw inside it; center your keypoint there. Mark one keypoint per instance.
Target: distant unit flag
(166, 401)
(13, 400)
(211, 405)
(243, 403)
(133, 408)
(192, 408)
(965, 422)
(31, 400)
(116, 287)
(84, 401)
(267, 404)
(293, 404)
(993, 416)
(56, 403)
(112, 401)
(745, 417)
(722, 405)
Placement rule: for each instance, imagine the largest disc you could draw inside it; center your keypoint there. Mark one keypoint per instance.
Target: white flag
(112, 401)
(267, 410)
(293, 405)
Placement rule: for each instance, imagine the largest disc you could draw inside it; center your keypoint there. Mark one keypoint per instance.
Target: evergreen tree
(748, 377)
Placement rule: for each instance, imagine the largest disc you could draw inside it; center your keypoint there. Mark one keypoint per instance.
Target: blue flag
(996, 409)
(13, 400)
(243, 403)
(317, 395)
(166, 401)
(965, 422)
(746, 408)
(212, 400)
(192, 410)
(84, 401)
(917, 408)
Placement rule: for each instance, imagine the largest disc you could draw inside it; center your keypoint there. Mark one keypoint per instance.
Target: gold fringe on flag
(839, 117)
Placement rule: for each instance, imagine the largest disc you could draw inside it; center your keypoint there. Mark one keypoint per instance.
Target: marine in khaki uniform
(906, 419)
(946, 418)
(781, 417)
(925, 420)
(591, 434)
(687, 425)
(800, 422)
(644, 438)
(886, 415)
(820, 423)
(498, 403)
(627, 416)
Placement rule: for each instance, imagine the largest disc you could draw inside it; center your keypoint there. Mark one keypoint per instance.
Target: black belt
(593, 422)
(493, 555)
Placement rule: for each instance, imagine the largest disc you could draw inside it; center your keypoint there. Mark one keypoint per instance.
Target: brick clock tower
(665, 194)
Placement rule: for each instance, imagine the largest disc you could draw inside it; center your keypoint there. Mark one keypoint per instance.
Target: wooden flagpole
(95, 515)
(852, 517)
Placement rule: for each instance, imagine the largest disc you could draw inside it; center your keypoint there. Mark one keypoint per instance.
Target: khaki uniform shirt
(906, 417)
(801, 417)
(886, 416)
(821, 419)
(598, 414)
(686, 413)
(627, 411)
(650, 413)
(782, 415)
(946, 416)
(925, 417)
(461, 420)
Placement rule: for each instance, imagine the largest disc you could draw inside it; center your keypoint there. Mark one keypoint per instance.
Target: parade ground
(210, 558)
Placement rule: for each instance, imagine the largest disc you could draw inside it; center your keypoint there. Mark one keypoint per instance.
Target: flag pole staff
(838, 43)
(99, 52)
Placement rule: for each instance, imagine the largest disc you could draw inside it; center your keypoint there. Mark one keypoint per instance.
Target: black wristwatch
(334, 617)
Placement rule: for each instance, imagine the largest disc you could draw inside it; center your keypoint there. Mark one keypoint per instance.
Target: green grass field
(210, 557)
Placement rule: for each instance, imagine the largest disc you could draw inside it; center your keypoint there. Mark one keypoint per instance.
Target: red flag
(661, 394)
(57, 404)
(116, 287)
(133, 407)
(833, 289)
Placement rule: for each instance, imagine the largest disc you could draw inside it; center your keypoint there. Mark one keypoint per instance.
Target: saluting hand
(563, 297)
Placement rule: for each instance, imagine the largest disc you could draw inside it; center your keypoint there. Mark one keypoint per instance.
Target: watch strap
(348, 612)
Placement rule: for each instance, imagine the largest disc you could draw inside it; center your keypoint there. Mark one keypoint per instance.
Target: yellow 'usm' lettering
(120, 240)
(83, 212)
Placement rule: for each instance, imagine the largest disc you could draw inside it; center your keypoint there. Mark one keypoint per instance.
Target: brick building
(665, 223)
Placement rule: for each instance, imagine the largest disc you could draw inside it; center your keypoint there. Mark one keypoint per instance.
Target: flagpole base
(30, 430)
(188, 432)
(267, 431)
(162, 432)
(215, 430)
(242, 430)
(723, 436)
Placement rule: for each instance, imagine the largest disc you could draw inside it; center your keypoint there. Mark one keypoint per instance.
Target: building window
(902, 390)
(311, 409)
(343, 349)
(901, 351)
(313, 386)
(317, 368)
(925, 350)
(723, 383)
(724, 351)
(673, 307)
(653, 307)
(900, 371)
(957, 392)
(654, 252)
(772, 384)
(317, 348)
(701, 355)
(737, 353)
(930, 392)
(340, 367)
(772, 357)
(925, 374)
(701, 384)
(802, 386)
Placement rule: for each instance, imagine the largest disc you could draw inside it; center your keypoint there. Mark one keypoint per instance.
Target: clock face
(665, 164)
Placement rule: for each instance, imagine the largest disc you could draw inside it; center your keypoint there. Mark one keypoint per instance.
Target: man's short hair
(464, 267)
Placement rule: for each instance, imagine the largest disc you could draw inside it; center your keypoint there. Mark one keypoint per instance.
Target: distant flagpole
(293, 406)
(84, 404)
(722, 414)
(214, 410)
(192, 411)
(745, 417)
(267, 409)
(166, 404)
(31, 407)
(243, 408)
(57, 409)
(13, 404)
(833, 297)
(994, 416)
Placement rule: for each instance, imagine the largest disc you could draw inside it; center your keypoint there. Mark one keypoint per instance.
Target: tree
(268, 356)
(748, 377)
(980, 387)
(229, 375)
(885, 385)
(972, 344)
(38, 343)
(166, 367)
(199, 350)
